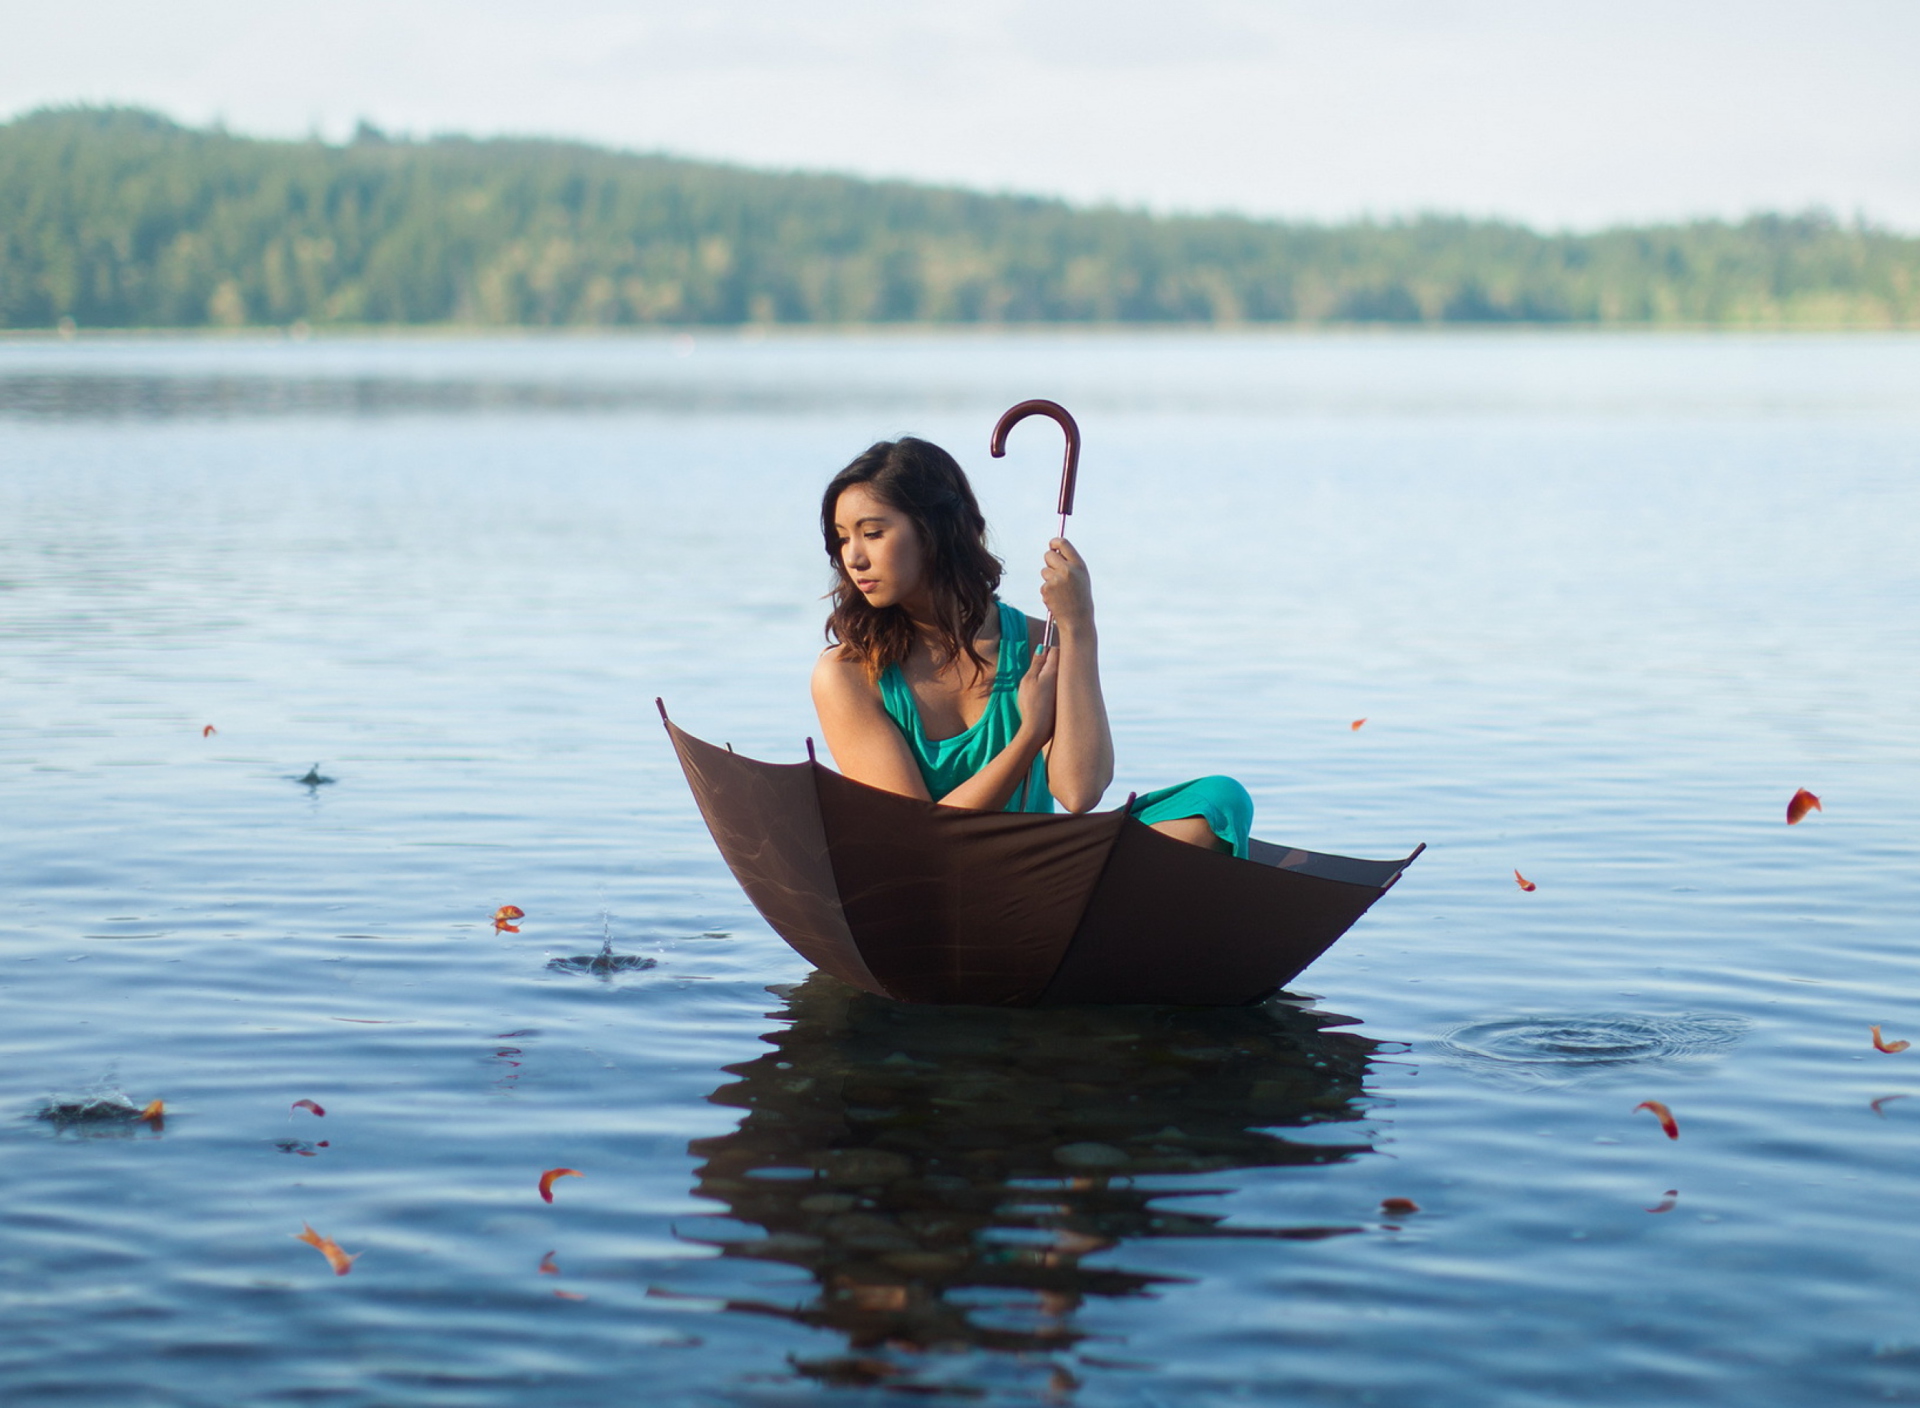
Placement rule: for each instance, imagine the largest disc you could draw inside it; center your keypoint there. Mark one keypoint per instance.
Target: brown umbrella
(926, 903)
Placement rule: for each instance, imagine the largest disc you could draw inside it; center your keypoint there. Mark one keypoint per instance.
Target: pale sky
(1555, 114)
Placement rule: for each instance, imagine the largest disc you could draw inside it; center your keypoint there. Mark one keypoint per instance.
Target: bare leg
(1191, 829)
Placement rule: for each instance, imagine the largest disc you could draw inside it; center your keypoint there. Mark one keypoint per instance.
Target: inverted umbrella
(926, 903)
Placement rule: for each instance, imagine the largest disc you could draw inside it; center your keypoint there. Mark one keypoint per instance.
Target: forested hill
(121, 218)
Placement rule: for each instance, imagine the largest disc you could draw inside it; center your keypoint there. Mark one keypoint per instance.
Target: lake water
(1605, 602)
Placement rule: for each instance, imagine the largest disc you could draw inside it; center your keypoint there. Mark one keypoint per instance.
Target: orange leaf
(1525, 883)
(1802, 803)
(1890, 1047)
(209, 731)
(1663, 1114)
(546, 1180)
(1667, 1203)
(307, 1105)
(1355, 725)
(547, 1268)
(509, 911)
(330, 1249)
(1398, 1207)
(155, 1113)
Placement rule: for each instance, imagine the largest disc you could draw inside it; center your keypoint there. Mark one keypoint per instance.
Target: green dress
(945, 763)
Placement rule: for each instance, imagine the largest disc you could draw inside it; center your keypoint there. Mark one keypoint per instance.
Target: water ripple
(1566, 1048)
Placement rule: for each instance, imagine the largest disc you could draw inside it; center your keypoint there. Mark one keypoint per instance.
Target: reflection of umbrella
(927, 903)
(947, 1176)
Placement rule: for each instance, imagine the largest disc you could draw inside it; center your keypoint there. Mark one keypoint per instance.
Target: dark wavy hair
(925, 483)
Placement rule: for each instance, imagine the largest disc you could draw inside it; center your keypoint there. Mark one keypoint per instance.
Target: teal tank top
(945, 763)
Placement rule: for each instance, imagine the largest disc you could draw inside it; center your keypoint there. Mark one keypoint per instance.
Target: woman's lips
(866, 584)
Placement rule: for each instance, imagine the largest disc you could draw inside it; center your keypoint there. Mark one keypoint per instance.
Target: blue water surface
(1604, 601)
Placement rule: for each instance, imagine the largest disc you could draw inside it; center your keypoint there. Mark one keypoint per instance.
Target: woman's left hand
(1065, 586)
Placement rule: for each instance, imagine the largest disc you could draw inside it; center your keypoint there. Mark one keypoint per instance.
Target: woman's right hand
(1038, 689)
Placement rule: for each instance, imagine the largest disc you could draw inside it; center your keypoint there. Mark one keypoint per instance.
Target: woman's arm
(1080, 759)
(868, 747)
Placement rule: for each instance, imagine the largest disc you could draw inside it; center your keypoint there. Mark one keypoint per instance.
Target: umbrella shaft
(1052, 638)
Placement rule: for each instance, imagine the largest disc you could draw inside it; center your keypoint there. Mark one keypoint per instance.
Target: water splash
(606, 963)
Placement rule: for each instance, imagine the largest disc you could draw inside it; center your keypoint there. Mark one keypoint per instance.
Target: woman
(935, 688)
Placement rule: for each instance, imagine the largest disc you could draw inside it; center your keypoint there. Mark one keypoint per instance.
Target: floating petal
(307, 1105)
(209, 731)
(1663, 1114)
(1355, 725)
(1881, 1044)
(330, 1249)
(1883, 1100)
(1802, 803)
(1524, 883)
(1398, 1207)
(546, 1180)
(547, 1268)
(509, 911)
(1666, 1204)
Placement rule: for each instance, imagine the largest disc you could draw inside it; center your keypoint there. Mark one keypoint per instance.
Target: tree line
(116, 217)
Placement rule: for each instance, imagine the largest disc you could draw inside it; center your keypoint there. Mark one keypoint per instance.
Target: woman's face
(879, 548)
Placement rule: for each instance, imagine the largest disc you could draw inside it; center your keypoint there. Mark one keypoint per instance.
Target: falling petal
(1803, 802)
(547, 1268)
(308, 1105)
(1879, 1044)
(1524, 883)
(1666, 1204)
(546, 1180)
(1883, 1100)
(209, 731)
(1663, 1114)
(1398, 1207)
(1355, 725)
(330, 1249)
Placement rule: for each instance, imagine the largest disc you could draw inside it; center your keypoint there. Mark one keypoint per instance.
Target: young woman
(935, 688)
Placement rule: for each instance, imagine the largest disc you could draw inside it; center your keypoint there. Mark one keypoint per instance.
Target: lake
(1605, 601)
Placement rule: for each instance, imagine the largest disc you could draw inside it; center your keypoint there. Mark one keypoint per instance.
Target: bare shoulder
(839, 679)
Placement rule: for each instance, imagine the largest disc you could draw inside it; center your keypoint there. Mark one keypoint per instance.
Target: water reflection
(946, 1174)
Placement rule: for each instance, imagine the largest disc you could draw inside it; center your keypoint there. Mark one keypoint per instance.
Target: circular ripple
(1561, 1049)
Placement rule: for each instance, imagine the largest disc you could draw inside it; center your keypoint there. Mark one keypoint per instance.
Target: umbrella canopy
(925, 903)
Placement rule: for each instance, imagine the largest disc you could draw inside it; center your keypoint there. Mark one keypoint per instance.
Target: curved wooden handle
(1070, 472)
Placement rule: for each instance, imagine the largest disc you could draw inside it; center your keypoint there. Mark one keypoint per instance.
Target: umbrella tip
(810, 757)
(661, 705)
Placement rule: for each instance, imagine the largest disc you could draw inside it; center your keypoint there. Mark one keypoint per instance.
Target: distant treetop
(121, 217)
